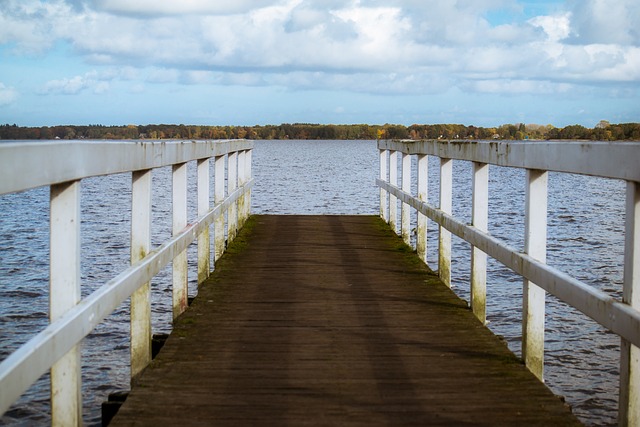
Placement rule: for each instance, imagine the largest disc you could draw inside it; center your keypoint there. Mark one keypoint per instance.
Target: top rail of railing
(26, 165)
(618, 160)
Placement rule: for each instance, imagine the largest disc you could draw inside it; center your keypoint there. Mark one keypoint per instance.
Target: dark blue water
(586, 229)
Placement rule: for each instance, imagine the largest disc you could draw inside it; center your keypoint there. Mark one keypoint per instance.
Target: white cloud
(378, 28)
(67, 86)
(556, 27)
(614, 63)
(7, 95)
(380, 83)
(97, 82)
(516, 87)
(182, 7)
(35, 25)
(605, 22)
(391, 46)
(321, 21)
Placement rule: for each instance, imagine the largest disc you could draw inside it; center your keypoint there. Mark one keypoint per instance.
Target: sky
(255, 62)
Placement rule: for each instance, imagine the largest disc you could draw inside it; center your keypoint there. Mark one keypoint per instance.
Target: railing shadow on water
(406, 202)
(73, 313)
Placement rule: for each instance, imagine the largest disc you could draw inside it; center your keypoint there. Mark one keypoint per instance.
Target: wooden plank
(331, 320)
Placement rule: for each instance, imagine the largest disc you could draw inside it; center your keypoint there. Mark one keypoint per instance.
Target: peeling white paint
(616, 160)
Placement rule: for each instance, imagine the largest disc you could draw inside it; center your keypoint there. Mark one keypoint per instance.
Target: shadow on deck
(332, 320)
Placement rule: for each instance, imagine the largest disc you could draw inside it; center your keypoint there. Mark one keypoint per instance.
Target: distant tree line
(603, 131)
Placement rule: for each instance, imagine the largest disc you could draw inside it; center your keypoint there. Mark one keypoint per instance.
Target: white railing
(617, 160)
(62, 166)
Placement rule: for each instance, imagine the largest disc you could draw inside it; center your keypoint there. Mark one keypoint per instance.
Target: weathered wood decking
(329, 320)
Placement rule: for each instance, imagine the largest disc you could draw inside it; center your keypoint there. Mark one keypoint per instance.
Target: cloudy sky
(246, 62)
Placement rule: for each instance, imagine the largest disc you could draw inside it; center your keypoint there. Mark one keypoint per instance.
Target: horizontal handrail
(23, 163)
(618, 160)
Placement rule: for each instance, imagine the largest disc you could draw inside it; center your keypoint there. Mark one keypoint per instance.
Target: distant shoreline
(604, 131)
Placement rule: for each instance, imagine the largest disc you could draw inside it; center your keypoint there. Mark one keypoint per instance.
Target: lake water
(585, 239)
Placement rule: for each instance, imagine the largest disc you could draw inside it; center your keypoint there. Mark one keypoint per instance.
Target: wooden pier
(332, 320)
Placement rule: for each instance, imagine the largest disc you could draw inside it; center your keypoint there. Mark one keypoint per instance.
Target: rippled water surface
(586, 229)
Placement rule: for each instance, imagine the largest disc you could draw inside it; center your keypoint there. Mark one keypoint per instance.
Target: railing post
(204, 239)
(218, 196)
(232, 184)
(241, 181)
(629, 406)
(535, 245)
(393, 200)
(444, 243)
(423, 191)
(384, 200)
(140, 247)
(247, 194)
(480, 213)
(406, 209)
(64, 294)
(180, 266)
